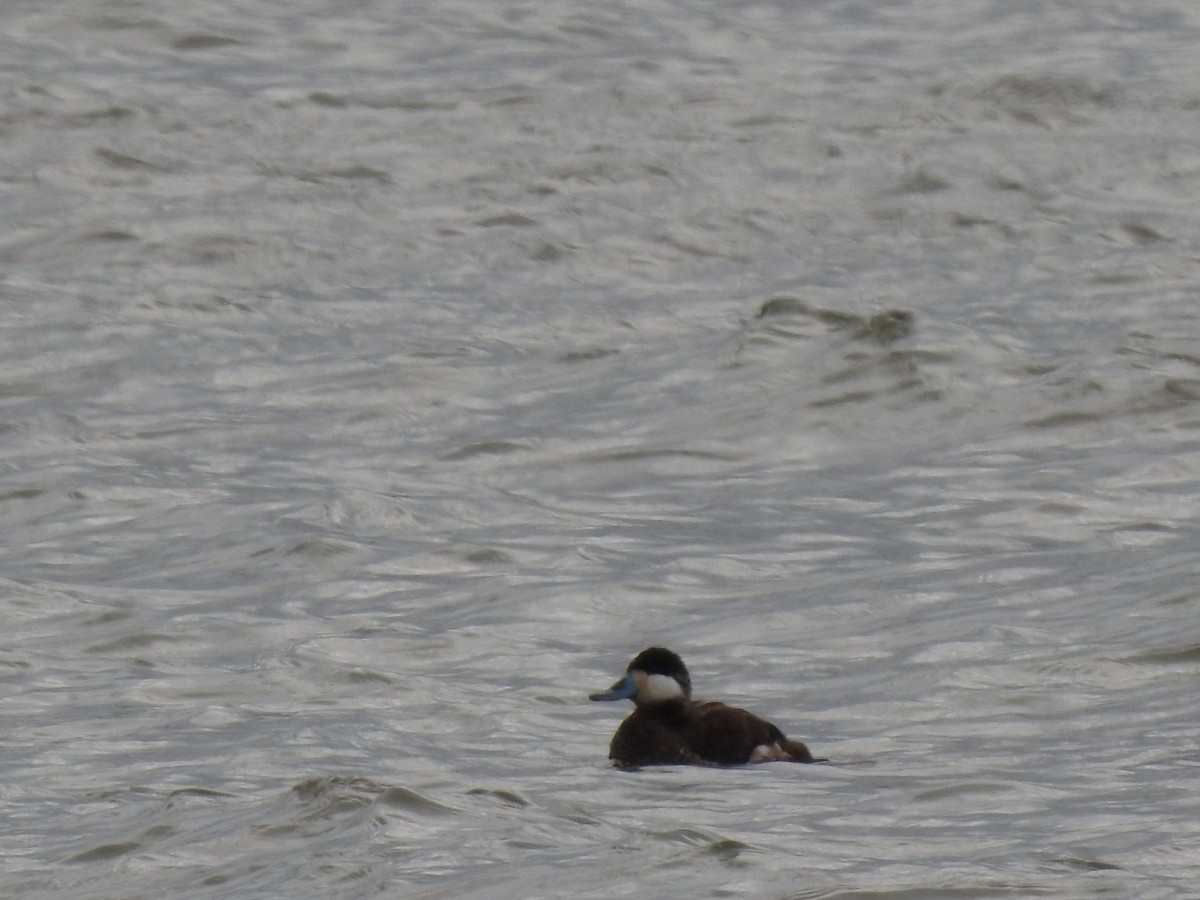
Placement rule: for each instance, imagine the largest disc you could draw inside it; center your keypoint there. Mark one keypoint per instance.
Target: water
(378, 378)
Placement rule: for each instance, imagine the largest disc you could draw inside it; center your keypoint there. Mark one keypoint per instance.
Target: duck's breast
(649, 738)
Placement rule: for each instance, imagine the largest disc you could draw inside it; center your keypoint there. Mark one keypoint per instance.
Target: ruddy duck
(668, 727)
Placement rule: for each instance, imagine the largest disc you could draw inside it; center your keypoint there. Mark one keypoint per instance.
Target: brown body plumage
(668, 727)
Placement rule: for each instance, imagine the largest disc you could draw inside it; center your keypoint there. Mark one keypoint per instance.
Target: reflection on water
(375, 377)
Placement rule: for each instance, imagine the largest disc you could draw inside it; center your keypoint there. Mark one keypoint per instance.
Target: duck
(667, 727)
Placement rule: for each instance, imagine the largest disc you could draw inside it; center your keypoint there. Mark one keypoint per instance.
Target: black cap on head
(661, 661)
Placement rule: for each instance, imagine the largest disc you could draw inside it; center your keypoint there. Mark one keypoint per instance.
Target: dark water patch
(1083, 864)
(109, 615)
(1066, 419)
(1124, 277)
(916, 357)
(1141, 233)
(480, 556)
(136, 641)
(588, 30)
(530, 844)
(513, 99)
(651, 453)
(324, 98)
(319, 548)
(103, 116)
(892, 372)
(693, 248)
(1175, 355)
(209, 304)
(119, 160)
(690, 836)
(23, 389)
(727, 850)
(1170, 655)
(200, 792)
(1088, 401)
(1038, 99)
(883, 327)
(888, 326)
(576, 356)
(988, 890)
(411, 801)
(1160, 527)
(961, 790)
(105, 852)
(1038, 369)
(367, 676)
(203, 41)
(482, 448)
(330, 795)
(1182, 598)
(106, 793)
(545, 252)
(919, 182)
(579, 817)
(1059, 508)
(403, 103)
(1183, 388)
(345, 173)
(1002, 183)
(106, 236)
(210, 250)
(154, 434)
(966, 220)
(512, 220)
(762, 119)
(591, 173)
(845, 399)
(22, 494)
(785, 306)
(509, 798)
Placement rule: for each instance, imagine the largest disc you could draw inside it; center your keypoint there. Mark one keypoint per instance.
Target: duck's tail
(796, 751)
(782, 750)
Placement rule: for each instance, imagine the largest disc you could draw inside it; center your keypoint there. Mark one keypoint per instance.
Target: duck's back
(728, 736)
(686, 732)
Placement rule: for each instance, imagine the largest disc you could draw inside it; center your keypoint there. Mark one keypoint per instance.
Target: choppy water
(378, 378)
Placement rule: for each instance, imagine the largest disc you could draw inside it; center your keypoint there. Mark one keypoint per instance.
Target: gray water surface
(378, 378)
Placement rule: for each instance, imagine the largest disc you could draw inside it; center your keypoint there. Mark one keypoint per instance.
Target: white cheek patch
(656, 688)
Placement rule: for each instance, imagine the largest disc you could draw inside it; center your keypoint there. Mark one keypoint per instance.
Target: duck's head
(655, 675)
